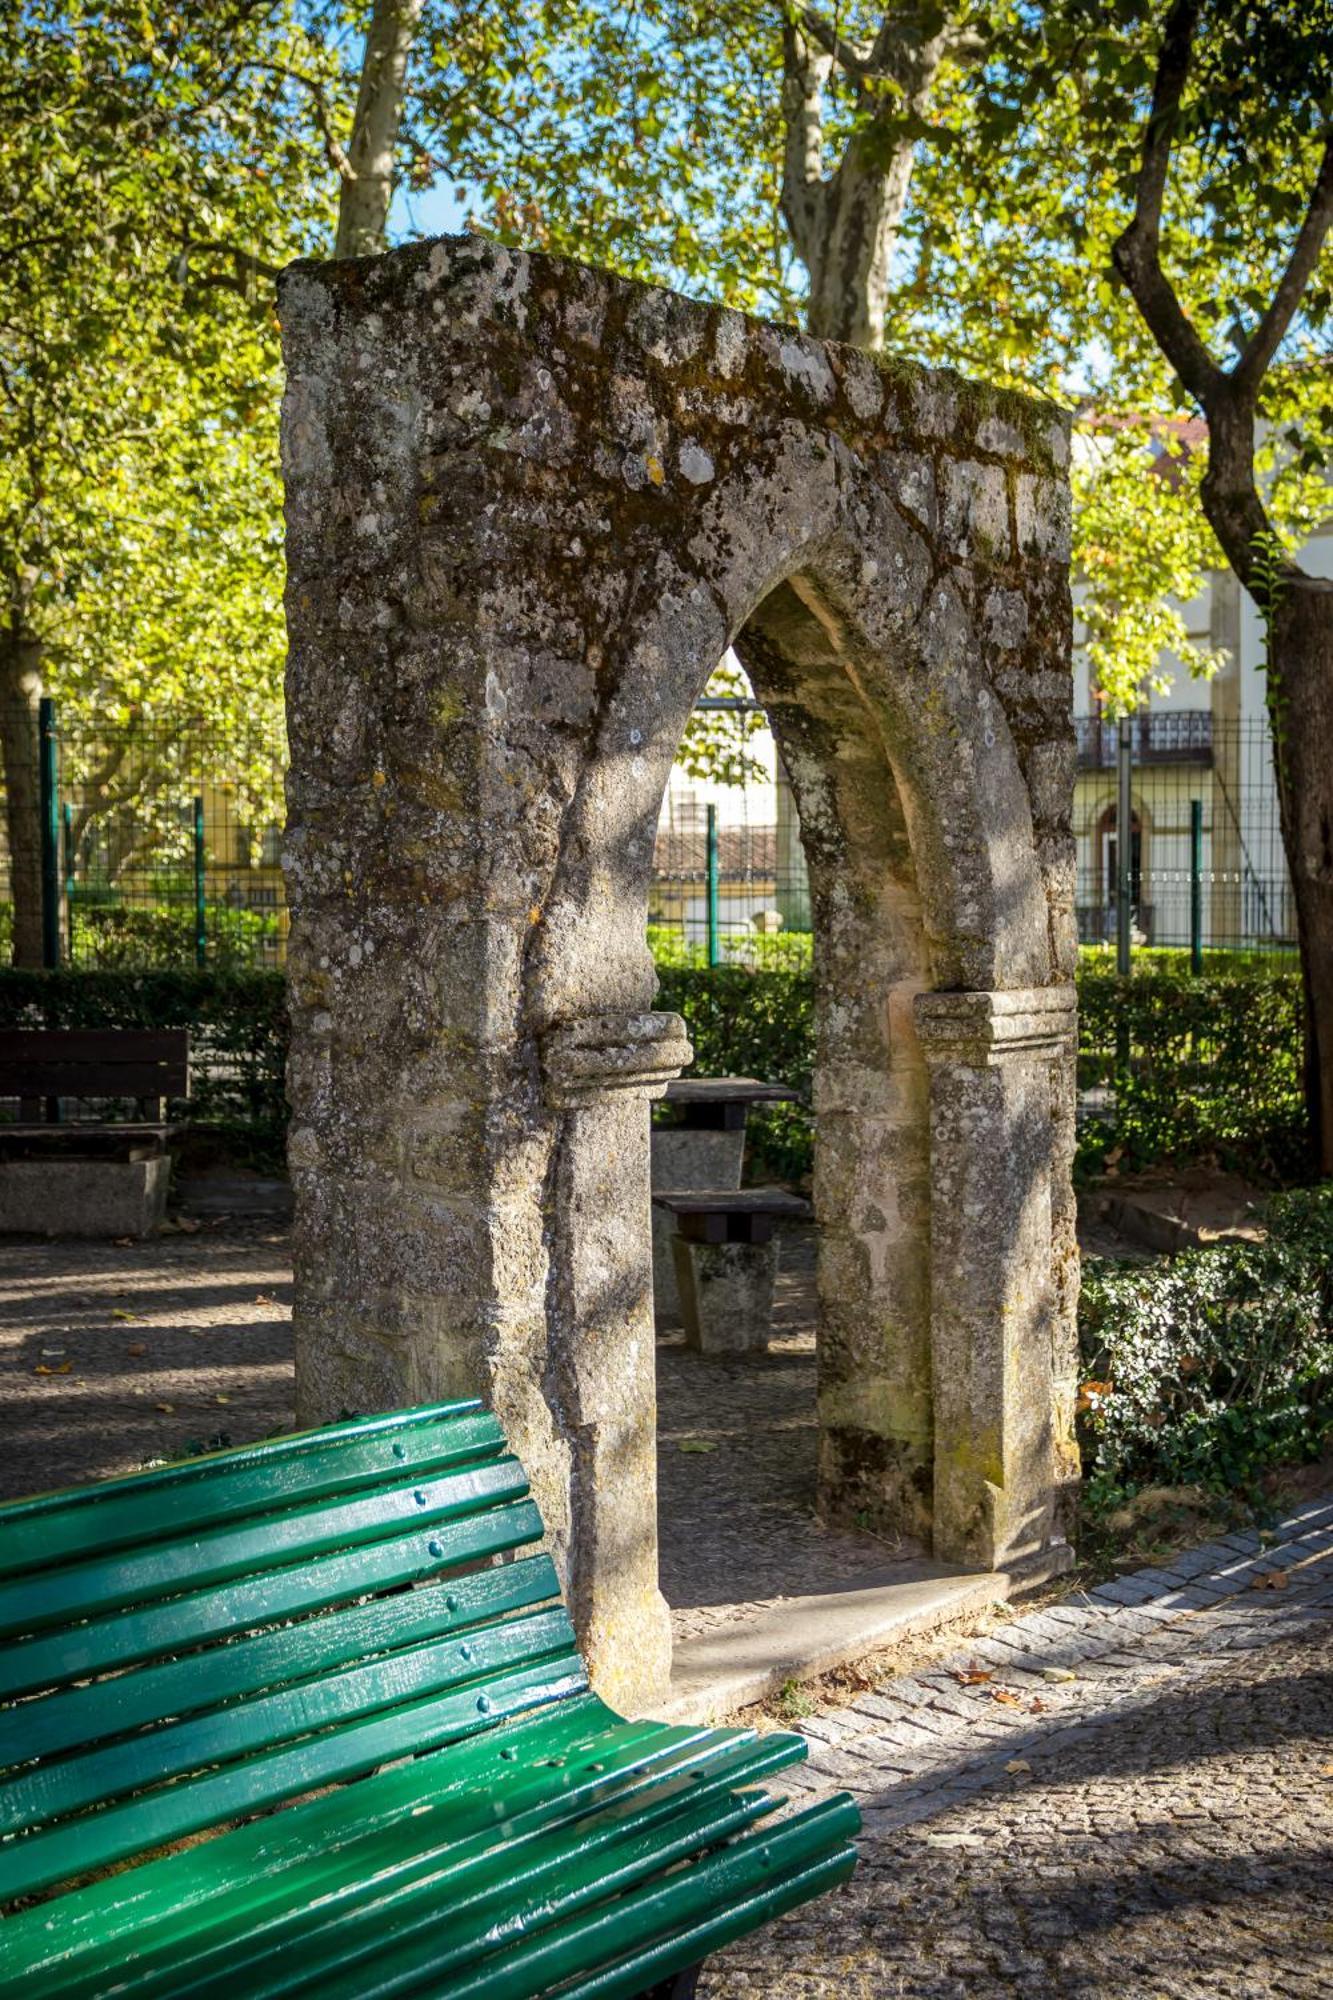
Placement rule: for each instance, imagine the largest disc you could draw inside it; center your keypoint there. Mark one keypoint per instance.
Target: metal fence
(149, 846)
(140, 845)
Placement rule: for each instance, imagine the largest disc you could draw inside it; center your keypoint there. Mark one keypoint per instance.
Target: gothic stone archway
(528, 507)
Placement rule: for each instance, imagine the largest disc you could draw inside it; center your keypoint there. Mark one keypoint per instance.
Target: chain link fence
(143, 845)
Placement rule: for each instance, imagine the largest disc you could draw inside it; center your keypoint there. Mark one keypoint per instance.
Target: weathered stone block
(726, 1294)
(99, 1198)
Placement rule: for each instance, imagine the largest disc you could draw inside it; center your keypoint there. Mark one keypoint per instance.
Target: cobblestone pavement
(1126, 1796)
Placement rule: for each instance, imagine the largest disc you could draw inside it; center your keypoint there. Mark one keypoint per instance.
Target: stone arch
(529, 506)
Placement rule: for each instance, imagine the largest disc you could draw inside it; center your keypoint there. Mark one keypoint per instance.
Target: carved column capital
(581, 1060)
(983, 1030)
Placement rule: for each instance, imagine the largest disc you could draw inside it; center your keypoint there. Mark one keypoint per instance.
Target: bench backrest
(192, 1644)
(94, 1062)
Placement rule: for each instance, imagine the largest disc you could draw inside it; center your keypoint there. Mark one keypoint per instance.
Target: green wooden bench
(300, 1718)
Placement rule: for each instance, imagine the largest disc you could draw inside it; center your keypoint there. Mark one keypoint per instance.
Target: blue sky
(432, 212)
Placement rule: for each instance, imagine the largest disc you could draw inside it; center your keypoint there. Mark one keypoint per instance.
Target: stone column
(601, 1369)
(998, 1063)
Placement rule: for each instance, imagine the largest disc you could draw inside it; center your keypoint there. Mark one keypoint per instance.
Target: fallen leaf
(119, 1312)
(696, 1444)
(1036, 1706)
(263, 1299)
(167, 1409)
(123, 1242)
(1276, 1579)
(63, 1369)
(1327, 1771)
(1057, 1674)
(1003, 1696)
(186, 1224)
(973, 1676)
(136, 1348)
(1016, 1766)
(222, 1399)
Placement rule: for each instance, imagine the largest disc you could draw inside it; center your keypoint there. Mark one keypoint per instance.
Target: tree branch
(845, 54)
(334, 151)
(1137, 254)
(804, 73)
(1267, 337)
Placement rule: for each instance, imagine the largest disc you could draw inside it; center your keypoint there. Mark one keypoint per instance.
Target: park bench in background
(194, 1646)
(71, 1160)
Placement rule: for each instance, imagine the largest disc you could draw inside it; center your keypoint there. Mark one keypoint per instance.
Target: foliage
(1196, 1066)
(115, 936)
(757, 951)
(1135, 585)
(238, 1036)
(744, 1023)
(1207, 1370)
(1191, 1067)
(716, 743)
(165, 179)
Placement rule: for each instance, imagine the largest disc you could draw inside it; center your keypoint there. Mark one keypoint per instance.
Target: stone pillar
(600, 1380)
(998, 1065)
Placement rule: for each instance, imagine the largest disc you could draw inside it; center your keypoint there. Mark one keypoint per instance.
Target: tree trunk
(20, 693)
(849, 260)
(1300, 701)
(363, 206)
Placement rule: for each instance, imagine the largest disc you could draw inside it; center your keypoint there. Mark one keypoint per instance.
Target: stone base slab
(796, 1638)
(99, 1198)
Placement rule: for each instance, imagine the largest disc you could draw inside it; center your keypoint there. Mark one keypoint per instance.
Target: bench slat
(94, 1062)
(550, 1954)
(49, 1527)
(340, 1867)
(115, 1832)
(504, 1889)
(155, 1570)
(262, 1722)
(126, 1637)
(79, 1717)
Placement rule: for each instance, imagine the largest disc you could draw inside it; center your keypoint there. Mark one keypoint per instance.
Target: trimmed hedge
(238, 1037)
(1194, 1066)
(1183, 1066)
(1208, 1370)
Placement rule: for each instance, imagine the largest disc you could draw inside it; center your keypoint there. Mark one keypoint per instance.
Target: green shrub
(1196, 1066)
(238, 1037)
(745, 1023)
(1208, 1370)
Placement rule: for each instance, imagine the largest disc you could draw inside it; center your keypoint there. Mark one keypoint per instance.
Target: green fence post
(714, 951)
(50, 811)
(67, 837)
(1196, 886)
(200, 885)
(1124, 844)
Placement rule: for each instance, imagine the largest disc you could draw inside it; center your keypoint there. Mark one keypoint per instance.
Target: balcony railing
(1173, 736)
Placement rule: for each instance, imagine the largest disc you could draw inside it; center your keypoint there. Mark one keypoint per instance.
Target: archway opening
(798, 1465)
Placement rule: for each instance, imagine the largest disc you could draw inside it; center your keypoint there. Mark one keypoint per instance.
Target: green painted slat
(268, 1451)
(81, 1590)
(367, 1878)
(124, 1637)
(261, 1722)
(226, 1485)
(544, 1756)
(79, 1717)
(113, 1833)
(223, 1488)
(722, 1880)
(633, 1974)
(558, 1878)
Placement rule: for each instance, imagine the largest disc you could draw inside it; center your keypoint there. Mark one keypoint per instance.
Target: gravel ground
(1138, 1803)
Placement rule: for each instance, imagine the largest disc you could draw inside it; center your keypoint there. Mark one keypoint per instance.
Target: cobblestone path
(1136, 1805)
